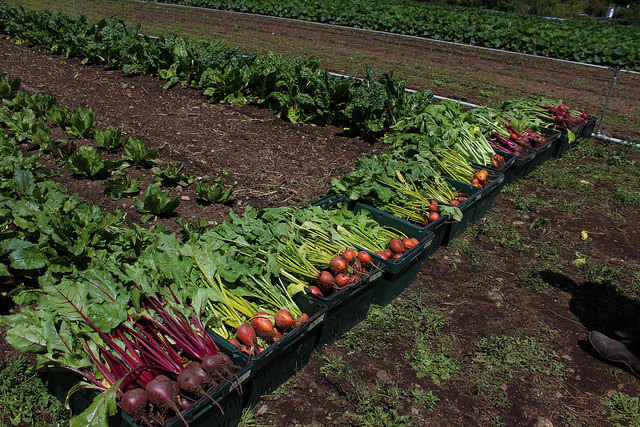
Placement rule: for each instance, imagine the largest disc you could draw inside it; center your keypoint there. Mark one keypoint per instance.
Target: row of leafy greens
(584, 40)
(297, 89)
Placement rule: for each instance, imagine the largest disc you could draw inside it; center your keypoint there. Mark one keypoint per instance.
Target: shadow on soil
(599, 306)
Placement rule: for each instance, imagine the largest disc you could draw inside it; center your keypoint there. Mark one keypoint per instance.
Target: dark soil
(479, 285)
(276, 163)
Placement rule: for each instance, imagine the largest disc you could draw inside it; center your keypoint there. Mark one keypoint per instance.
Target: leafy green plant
(28, 127)
(136, 153)
(170, 175)
(61, 149)
(81, 123)
(58, 115)
(87, 161)
(109, 138)
(8, 86)
(191, 229)
(121, 185)
(225, 85)
(425, 398)
(24, 396)
(623, 408)
(40, 103)
(214, 192)
(155, 203)
(431, 358)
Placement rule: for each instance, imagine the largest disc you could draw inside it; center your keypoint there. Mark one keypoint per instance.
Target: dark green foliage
(297, 89)
(58, 115)
(585, 40)
(81, 123)
(8, 86)
(109, 139)
(121, 185)
(155, 203)
(24, 396)
(87, 161)
(170, 175)
(214, 192)
(137, 154)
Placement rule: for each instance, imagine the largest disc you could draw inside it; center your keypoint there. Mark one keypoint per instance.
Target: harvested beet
(262, 324)
(191, 381)
(246, 335)
(134, 403)
(162, 395)
(284, 320)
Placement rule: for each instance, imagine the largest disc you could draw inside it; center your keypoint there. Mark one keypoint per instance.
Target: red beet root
(246, 335)
(134, 403)
(284, 320)
(162, 395)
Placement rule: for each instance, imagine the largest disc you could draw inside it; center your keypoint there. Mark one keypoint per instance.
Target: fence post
(606, 104)
(473, 30)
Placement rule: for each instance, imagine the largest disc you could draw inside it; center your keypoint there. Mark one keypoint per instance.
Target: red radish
(134, 403)
(338, 264)
(434, 216)
(382, 254)
(364, 257)
(162, 395)
(408, 243)
(246, 335)
(396, 246)
(284, 320)
(388, 254)
(262, 324)
(315, 290)
(342, 280)
(433, 207)
(349, 255)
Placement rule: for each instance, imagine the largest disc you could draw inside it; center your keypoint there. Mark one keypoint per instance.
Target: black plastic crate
(518, 167)
(283, 359)
(203, 412)
(561, 146)
(589, 127)
(509, 160)
(229, 395)
(388, 220)
(544, 153)
(468, 208)
(483, 200)
(391, 284)
(395, 276)
(345, 309)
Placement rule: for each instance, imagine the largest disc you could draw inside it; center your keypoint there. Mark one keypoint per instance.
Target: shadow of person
(612, 318)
